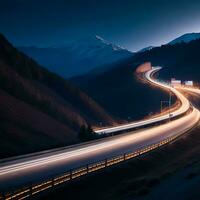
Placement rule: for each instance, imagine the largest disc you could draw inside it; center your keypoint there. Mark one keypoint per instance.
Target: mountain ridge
(188, 37)
(79, 57)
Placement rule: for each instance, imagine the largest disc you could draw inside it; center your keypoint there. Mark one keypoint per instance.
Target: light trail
(143, 135)
(184, 107)
(189, 89)
(33, 168)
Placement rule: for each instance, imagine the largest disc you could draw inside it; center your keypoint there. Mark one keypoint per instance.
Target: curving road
(190, 89)
(184, 107)
(22, 171)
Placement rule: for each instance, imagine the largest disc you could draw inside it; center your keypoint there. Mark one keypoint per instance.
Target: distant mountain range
(39, 109)
(89, 55)
(78, 57)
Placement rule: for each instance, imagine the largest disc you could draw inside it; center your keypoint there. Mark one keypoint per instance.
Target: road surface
(190, 89)
(34, 168)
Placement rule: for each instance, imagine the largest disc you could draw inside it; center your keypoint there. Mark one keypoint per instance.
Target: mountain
(180, 61)
(39, 109)
(78, 57)
(188, 37)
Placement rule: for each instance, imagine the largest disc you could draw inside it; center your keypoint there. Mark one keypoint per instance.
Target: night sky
(129, 23)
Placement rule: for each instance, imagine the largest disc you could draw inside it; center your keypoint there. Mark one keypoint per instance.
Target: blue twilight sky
(129, 23)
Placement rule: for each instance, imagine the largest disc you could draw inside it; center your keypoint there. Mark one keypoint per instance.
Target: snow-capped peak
(102, 40)
(114, 46)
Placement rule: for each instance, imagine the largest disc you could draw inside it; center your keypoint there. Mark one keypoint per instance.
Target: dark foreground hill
(39, 109)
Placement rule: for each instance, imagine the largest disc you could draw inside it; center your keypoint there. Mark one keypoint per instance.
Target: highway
(34, 168)
(184, 107)
(190, 89)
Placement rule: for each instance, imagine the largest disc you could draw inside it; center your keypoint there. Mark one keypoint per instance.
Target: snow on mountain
(146, 49)
(102, 40)
(77, 57)
(114, 46)
(185, 38)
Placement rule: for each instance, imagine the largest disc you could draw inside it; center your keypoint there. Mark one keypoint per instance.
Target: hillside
(78, 57)
(39, 109)
(180, 60)
(188, 37)
(121, 93)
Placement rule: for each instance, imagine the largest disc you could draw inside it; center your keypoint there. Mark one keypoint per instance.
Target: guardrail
(150, 124)
(33, 189)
